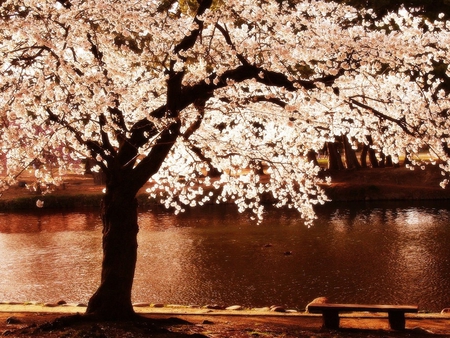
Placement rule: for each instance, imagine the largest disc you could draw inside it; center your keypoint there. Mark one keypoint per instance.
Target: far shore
(382, 184)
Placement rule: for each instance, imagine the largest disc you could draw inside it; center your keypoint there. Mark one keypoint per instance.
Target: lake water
(369, 253)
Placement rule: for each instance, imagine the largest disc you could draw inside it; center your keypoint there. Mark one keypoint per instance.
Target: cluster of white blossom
(321, 72)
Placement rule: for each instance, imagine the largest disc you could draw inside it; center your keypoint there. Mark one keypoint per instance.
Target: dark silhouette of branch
(400, 122)
(94, 147)
(150, 164)
(189, 40)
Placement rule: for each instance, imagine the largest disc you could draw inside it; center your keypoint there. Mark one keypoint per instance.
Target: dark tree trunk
(350, 154)
(368, 150)
(388, 161)
(372, 155)
(407, 161)
(312, 157)
(363, 157)
(112, 300)
(373, 158)
(334, 157)
(382, 160)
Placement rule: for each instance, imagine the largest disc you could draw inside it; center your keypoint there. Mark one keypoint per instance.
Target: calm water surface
(366, 254)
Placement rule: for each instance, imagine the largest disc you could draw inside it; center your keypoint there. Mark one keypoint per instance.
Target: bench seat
(330, 312)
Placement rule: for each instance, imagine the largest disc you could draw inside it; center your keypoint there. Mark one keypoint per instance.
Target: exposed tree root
(78, 326)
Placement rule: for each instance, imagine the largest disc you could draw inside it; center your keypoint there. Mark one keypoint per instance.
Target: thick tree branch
(204, 90)
(242, 73)
(274, 100)
(174, 86)
(65, 3)
(179, 98)
(189, 40)
(150, 165)
(95, 50)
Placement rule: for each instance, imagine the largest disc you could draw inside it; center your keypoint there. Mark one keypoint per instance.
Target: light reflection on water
(41, 254)
(395, 254)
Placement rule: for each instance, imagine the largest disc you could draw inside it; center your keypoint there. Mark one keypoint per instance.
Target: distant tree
(430, 9)
(368, 151)
(163, 90)
(334, 156)
(312, 157)
(351, 160)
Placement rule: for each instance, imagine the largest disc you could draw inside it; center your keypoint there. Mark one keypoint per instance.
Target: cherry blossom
(66, 68)
(198, 97)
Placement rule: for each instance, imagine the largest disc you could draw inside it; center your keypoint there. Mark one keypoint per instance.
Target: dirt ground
(217, 325)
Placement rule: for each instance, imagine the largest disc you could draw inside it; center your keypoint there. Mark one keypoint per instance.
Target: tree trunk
(363, 157)
(372, 155)
(312, 157)
(334, 158)
(407, 161)
(350, 154)
(373, 158)
(388, 161)
(382, 159)
(112, 300)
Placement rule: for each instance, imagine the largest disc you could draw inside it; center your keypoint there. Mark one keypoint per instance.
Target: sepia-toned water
(369, 253)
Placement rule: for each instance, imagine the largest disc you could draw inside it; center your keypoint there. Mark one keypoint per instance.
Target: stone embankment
(63, 306)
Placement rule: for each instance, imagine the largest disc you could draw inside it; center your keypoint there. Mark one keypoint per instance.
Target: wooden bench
(330, 312)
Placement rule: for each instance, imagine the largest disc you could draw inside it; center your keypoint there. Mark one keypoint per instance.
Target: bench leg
(397, 320)
(330, 319)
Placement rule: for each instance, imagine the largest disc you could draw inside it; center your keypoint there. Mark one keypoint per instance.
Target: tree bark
(368, 150)
(363, 157)
(382, 160)
(112, 300)
(334, 157)
(350, 154)
(373, 158)
(407, 160)
(388, 161)
(312, 157)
